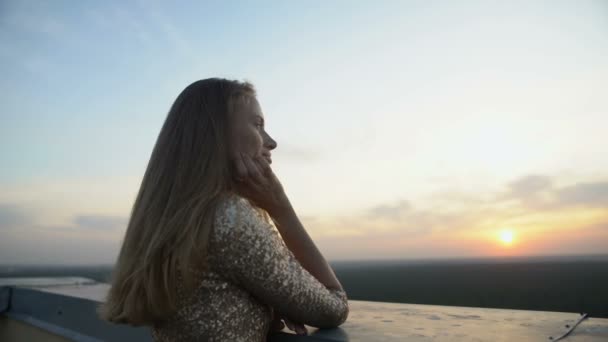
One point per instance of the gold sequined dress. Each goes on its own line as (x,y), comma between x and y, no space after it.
(252,273)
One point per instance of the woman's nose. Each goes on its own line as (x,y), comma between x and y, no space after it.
(270,143)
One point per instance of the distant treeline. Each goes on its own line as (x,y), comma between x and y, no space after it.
(567,286)
(97,273)
(578,286)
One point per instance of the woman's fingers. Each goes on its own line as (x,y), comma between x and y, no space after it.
(289,324)
(261,185)
(277,325)
(255,173)
(264,166)
(297,327)
(301,329)
(241,169)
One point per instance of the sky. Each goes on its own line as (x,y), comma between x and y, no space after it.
(405,129)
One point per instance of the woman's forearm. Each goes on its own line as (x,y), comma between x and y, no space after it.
(301,245)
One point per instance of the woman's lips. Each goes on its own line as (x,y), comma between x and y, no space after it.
(267,157)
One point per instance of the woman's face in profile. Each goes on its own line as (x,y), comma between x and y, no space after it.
(248,134)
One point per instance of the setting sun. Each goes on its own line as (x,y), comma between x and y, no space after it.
(506,237)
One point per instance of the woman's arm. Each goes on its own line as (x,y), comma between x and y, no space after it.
(252,254)
(260,185)
(301,245)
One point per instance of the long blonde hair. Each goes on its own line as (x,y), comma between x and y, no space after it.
(188,173)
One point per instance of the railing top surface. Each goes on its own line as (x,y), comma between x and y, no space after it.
(381,321)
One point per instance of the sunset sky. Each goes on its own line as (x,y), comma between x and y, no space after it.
(405,129)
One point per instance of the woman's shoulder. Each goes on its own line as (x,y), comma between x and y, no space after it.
(231,204)
(233,209)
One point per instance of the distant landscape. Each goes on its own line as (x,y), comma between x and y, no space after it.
(567,284)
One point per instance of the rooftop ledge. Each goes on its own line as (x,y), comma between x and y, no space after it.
(63,309)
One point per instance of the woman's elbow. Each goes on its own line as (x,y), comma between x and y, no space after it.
(334,319)
(342,316)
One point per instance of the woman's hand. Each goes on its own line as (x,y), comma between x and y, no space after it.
(257,182)
(299,328)
(277,325)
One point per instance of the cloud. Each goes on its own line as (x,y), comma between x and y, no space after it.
(531,191)
(538,192)
(584,194)
(387,222)
(84,239)
(423,222)
(35,20)
(12,216)
(390,211)
(100,222)
(119,17)
(529,185)
(15,216)
(550,219)
(450,223)
(530,202)
(174,35)
(297,153)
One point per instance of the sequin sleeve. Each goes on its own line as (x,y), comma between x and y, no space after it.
(256,258)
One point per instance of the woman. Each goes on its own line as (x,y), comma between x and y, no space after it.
(214,251)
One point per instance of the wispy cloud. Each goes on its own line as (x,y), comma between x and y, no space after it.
(100,222)
(34,20)
(12,216)
(584,194)
(390,211)
(529,185)
(119,17)
(31,21)
(295,153)
(174,35)
(19,218)
(538,192)
(521,206)
(575,217)
(85,239)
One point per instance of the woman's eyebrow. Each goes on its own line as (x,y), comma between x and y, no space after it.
(258,116)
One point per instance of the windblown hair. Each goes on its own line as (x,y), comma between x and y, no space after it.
(188,173)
